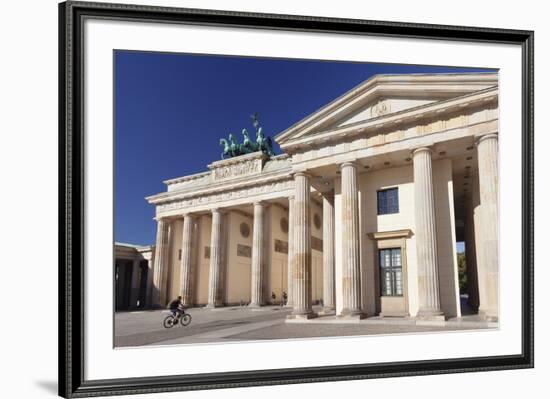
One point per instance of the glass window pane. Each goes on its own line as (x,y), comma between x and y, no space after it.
(387,283)
(396,258)
(385,258)
(398,282)
(382,202)
(388,201)
(393,206)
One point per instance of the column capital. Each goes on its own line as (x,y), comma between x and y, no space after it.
(421,149)
(165,221)
(346,164)
(484,137)
(260,203)
(302,173)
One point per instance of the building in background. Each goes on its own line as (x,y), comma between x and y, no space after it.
(133,276)
(361,212)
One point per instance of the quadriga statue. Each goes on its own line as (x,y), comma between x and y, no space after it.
(233,149)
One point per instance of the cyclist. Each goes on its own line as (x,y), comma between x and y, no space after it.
(176,306)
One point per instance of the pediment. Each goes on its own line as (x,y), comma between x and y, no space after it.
(381,107)
(385,95)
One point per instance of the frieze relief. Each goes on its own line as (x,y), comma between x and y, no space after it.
(241,169)
(227,195)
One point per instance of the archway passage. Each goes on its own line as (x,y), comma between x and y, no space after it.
(466,198)
(123,281)
(142,279)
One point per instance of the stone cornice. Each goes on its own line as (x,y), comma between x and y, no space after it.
(132,252)
(413,85)
(186,178)
(402,117)
(383,235)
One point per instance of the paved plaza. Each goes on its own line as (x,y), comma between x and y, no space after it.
(241,324)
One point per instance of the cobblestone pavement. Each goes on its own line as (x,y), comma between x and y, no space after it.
(241,324)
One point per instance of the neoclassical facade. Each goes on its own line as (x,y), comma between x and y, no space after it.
(360,214)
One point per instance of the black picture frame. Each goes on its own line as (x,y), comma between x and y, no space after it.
(71,200)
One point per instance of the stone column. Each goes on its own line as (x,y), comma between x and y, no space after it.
(160,273)
(266,263)
(149,287)
(257,271)
(290,283)
(328,252)
(470,242)
(487,153)
(426,236)
(186,265)
(215,287)
(134,286)
(478,239)
(301,261)
(351,266)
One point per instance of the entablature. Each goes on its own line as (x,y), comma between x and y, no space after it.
(414,118)
(428,130)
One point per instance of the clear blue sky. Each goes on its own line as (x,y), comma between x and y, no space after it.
(171,110)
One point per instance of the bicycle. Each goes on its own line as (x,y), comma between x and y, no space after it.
(181,317)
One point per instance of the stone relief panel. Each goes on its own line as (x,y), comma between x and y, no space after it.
(241,169)
(281,246)
(244,250)
(380,108)
(244,165)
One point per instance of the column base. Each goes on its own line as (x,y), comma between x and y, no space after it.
(349,317)
(327,311)
(351,314)
(302,316)
(214,305)
(388,315)
(255,306)
(430,314)
(430,317)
